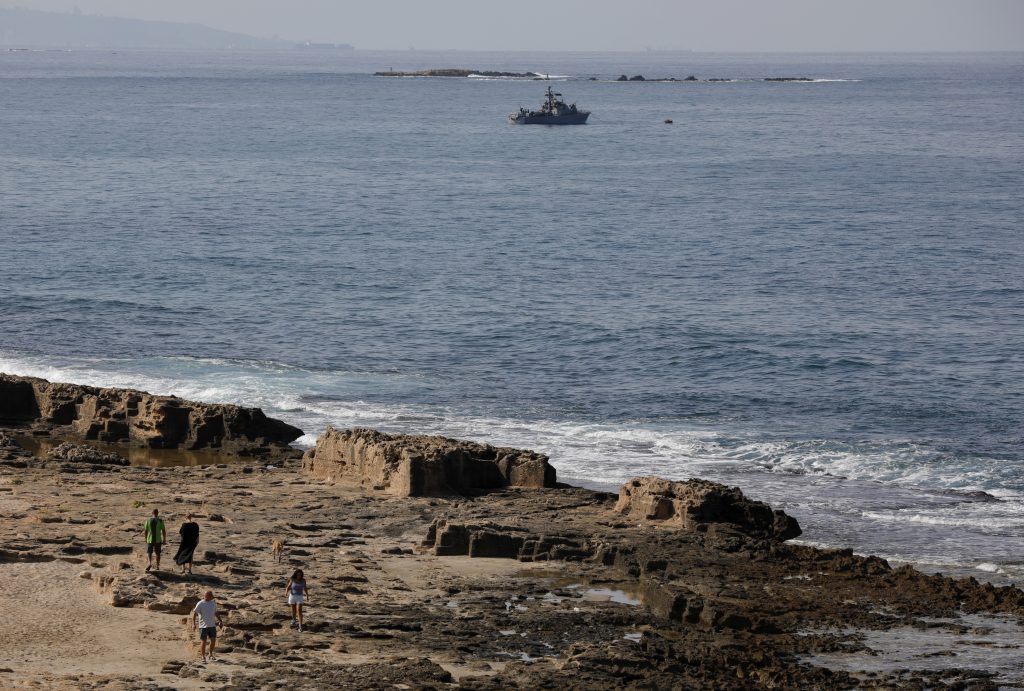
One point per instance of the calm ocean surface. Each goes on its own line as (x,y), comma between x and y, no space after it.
(814,291)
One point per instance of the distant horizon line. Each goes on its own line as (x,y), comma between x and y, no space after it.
(289,45)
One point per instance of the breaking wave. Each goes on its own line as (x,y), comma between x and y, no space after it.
(899,489)
(598,451)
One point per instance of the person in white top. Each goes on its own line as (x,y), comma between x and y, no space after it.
(298,593)
(206,611)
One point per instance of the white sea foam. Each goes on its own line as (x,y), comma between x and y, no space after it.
(532,76)
(802,477)
(816,80)
(893,462)
(985,517)
(306,441)
(990,568)
(600,452)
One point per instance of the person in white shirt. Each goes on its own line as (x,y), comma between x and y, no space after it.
(206,611)
(298,593)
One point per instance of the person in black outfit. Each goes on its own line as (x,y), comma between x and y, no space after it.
(189,532)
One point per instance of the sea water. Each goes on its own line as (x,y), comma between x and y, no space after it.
(812,290)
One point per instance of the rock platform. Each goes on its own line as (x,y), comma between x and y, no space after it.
(663,585)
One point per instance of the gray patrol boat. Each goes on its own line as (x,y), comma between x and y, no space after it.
(553,111)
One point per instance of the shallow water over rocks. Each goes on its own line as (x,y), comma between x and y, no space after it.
(969,641)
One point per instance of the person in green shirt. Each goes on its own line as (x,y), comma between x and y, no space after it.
(156,536)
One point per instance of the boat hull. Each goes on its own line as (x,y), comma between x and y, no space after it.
(579,118)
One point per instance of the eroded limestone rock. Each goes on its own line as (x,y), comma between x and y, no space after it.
(137,417)
(693,504)
(408,465)
(11,453)
(448,538)
(76,453)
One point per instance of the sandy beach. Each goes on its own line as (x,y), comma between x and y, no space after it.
(57,627)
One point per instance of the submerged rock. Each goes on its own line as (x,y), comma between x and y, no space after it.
(417,465)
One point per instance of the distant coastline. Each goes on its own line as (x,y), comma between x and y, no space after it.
(22,28)
(462,72)
(306,45)
(459,72)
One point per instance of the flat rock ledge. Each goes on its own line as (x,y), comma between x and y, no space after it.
(87,413)
(721,514)
(416,465)
(571,593)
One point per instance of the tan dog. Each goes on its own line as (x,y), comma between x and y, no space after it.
(277,549)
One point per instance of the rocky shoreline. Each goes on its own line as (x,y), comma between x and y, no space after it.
(536,76)
(433,563)
(459,72)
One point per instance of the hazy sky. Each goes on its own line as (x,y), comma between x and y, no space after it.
(703,25)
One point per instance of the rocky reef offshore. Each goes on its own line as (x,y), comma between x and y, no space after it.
(432,562)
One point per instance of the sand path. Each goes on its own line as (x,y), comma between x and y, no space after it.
(61,621)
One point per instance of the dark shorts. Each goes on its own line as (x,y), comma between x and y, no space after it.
(154,547)
(209,632)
